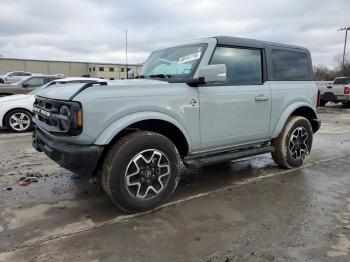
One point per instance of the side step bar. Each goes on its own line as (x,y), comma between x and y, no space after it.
(199,161)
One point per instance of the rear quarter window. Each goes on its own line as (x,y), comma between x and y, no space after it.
(341,81)
(289,65)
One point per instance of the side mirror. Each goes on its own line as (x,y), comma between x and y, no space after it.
(130,75)
(25,85)
(213,73)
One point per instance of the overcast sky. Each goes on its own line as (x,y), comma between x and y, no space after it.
(93,30)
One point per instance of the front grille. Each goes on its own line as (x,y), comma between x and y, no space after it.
(43,106)
(47,115)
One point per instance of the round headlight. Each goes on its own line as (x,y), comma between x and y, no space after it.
(64,111)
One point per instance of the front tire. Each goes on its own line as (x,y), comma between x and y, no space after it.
(140,171)
(294,143)
(18,121)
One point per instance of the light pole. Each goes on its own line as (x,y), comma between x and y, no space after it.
(346,37)
(126,52)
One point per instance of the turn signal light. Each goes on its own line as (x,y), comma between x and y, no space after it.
(79,118)
(346,90)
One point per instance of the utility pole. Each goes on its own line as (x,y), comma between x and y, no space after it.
(346,29)
(126,52)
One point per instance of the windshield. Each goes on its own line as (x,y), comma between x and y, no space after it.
(179,62)
(38,89)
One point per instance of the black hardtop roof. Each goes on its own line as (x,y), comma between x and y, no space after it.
(237,41)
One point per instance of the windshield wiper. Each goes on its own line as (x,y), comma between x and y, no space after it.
(160,76)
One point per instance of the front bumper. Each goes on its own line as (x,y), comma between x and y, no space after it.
(79,159)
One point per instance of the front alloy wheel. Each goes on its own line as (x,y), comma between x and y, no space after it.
(140,171)
(147,174)
(18,121)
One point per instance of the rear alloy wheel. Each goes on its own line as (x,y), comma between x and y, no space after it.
(294,143)
(18,121)
(140,171)
(298,143)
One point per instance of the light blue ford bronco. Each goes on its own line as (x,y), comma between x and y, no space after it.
(201,102)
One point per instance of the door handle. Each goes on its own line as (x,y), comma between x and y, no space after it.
(261,98)
(193,102)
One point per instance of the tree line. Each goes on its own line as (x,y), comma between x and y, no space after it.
(323,73)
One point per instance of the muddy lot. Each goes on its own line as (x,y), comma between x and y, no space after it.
(246,210)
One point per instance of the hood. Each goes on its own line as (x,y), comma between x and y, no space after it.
(68,91)
(14,97)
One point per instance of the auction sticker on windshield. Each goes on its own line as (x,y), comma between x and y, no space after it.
(190,57)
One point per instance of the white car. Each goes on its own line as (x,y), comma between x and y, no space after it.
(16,110)
(13,77)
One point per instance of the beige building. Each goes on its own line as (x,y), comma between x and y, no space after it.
(100,70)
(111,71)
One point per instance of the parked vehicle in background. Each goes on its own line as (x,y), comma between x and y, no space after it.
(339,91)
(27,85)
(16,110)
(203,102)
(13,77)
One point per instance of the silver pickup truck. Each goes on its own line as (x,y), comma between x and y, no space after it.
(202,102)
(339,91)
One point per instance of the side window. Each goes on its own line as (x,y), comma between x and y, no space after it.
(50,79)
(244,66)
(288,65)
(24,74)
(34,82)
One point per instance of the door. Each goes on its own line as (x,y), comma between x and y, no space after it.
(237,112)
(13,77)
(31,83)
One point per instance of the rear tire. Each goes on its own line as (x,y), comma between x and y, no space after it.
(140,171)
(323,103)
(294,143)
(346,103)
(18,121)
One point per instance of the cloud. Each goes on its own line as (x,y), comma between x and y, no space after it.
(94,30)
